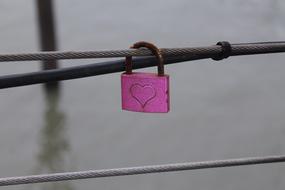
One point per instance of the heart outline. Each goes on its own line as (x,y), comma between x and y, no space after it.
(143,104)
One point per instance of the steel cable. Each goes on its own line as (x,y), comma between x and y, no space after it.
(238,49)
(105,54)
(138,170)
(174,55)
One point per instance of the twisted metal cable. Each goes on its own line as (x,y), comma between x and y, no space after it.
(56,55)
(174,55)
(210,51)
(139,170)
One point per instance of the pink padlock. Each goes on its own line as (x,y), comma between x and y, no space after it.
(145,92)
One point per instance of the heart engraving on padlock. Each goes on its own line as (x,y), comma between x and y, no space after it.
(143,94)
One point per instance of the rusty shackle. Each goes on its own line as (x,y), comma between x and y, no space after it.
(154,50)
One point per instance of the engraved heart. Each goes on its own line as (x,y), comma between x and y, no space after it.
(142,93)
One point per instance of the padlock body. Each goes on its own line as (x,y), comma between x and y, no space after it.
(145,92)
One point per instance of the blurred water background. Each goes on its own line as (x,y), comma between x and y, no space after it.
(219,110)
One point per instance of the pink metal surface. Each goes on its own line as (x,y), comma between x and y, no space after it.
(145,92)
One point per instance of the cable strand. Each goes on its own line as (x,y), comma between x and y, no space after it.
(171,55)
(238,49)
(139,170)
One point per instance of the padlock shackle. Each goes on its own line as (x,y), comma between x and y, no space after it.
(154,50)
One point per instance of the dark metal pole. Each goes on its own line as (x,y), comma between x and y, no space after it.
(47,34)
(89,70)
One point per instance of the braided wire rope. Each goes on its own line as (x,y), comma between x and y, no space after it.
(171,55)
(238,49)
(102,54)
(139,170)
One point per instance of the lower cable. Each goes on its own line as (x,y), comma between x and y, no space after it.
(139,170)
